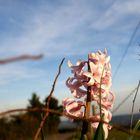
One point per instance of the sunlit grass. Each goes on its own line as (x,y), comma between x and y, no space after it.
(120,135)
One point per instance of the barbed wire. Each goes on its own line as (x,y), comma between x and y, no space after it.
(133,105)
(126,50)
(48,102)
(124,100)
(20,58)
(91,119)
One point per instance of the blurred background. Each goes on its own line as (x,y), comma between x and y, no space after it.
(70,29)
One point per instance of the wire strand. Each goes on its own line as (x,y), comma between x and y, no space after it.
(126,50)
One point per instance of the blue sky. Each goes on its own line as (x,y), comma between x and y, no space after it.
(70,29)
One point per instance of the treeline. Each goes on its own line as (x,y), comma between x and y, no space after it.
(23,126)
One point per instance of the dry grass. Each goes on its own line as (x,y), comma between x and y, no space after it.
(60,136)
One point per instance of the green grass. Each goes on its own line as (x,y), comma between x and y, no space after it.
(114,134)
(119,135)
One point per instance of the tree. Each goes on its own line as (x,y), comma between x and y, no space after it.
(22,126)
(53,120)
(34,101)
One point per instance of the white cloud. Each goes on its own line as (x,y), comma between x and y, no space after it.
(13,72)
(117,13)
(43,27)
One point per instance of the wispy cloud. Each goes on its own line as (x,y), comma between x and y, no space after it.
(43,27)
(118,14)
(63,28)
(14,73)
(66,27)
(70,28)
